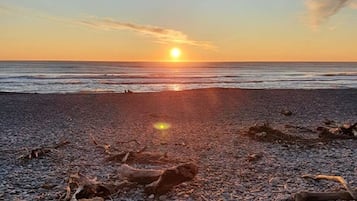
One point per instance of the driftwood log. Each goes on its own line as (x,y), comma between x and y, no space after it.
(345,131)
(350,194)
(80,188)
(159,181)
(139,156)
(318,196)
(41,151)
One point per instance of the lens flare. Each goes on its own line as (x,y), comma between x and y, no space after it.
(162,126)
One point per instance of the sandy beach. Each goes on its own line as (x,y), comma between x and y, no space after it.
(206,126)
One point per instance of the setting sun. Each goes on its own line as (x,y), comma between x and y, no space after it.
(175,53)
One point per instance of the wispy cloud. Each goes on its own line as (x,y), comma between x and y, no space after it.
(353,4)
(160,34)
(319,11)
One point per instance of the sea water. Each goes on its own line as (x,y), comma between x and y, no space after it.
(80,77)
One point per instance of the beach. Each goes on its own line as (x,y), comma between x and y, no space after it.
(206,126)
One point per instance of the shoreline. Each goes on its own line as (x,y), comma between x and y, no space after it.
(173,91)
(207,126)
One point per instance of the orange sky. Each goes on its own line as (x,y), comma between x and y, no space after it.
(257,30)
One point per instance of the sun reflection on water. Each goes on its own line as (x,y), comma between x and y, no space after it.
(176,87)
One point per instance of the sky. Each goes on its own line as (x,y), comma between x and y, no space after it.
(204,30)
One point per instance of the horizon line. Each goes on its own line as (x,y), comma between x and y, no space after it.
(183,61)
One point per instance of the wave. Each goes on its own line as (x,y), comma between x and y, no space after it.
(340,74)
(106,76)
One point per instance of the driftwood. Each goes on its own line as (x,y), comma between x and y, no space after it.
(82,188)
(156,182)
(266,133)
(140,156)
(318,196)
(304,129)
(345,131)
(141,176)
(41,151)
(286,112)
(160,181)
(350,194)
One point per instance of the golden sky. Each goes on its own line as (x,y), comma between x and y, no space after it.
(210,30)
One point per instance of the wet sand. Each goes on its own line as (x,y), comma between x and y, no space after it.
(207,126)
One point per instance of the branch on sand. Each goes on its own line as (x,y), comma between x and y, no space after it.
(266,133)
(349,194)
(140,156)
(345,131)
(160,181)
(80,188)
(41,151)
(157,182)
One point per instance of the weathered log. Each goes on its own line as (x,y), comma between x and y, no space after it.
(345,131)
(107,147)
(140,157)
(160,181)
(172,177)
(86,188)
(141,176)
(350,194)
(318,196)
(41,151)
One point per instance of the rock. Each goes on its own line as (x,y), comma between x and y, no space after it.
(261,134)
(163,197)
(274,181)
(152,196)
(286,112)
(93,199)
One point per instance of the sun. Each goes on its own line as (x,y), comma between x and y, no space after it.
(175,53)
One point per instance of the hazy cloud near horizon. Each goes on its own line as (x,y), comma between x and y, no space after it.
(160,34)
(320,11)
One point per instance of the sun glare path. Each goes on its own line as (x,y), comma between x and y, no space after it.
(175,53)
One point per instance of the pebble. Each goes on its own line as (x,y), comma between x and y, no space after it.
(224,170)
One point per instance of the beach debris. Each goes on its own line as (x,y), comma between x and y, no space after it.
(300,128)
(41,151)
(286,112)
(80,187)
(329,122)
(266,133)
(254,157)
(349,194)
(156,182)
(140,156)
(345,131)
(106,147)
(159,182)
(129,141)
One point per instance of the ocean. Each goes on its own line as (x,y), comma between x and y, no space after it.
(116,77)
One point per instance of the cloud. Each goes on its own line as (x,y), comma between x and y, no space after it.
(353,4)
(320,11)
(160,34)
